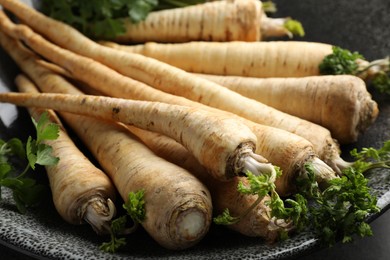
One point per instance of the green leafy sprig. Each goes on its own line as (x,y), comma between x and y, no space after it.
(371,158)
(342,61)
(341,209)
(294,27)
(26,191)
(135,212)
(262,185)
(269,7)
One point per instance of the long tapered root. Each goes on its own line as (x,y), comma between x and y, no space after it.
(99,213)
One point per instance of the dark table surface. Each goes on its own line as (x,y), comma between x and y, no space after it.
(358,25)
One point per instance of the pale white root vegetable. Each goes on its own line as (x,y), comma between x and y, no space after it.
(256,223)
(339,103)
(288,151)
(178,206)
(164,77)
(228,20)
(237,58)
(186,217)
(222,144)
(81,192)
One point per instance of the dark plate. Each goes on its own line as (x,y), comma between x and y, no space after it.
(356,25)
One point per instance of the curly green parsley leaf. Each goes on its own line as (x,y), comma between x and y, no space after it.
(342,61)
(341,209)
(135,206)
(370,158)
(117,225)
(135,210)
(382,82)
(226,218)
(261,185)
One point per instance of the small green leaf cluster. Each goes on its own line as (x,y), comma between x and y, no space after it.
(26,191)
(135,209)
(117,225)
(290,210)
(37,151)
(103,19)
(135,206)
(259,185)
(340,62)
(225,218)
(340,210)
(382,82)
(294,27)
(370,158)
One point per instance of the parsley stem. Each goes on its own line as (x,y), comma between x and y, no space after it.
(24,171)
(129,230)
(380,164)
(373,67)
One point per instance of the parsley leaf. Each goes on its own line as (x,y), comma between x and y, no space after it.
(26,191)
(117,225)
(290,210)
(38,152)
(341,61)
(135,208)
(341,209)
(370,158)
(382,82)
(226,218)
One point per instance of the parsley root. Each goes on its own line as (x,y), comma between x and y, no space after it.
(170,79)
(319,99)
(222,144)
(81,192)
(267,59)
(95,75)
(132,167)
(256,221)
(178,206)
(238,58)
